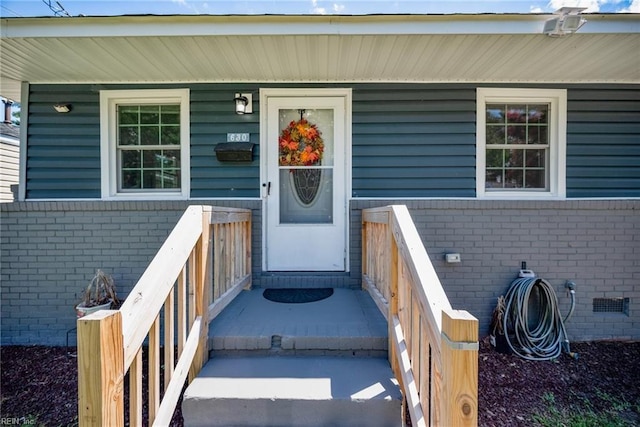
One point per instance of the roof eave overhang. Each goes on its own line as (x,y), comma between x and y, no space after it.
(237,25)
(488,48)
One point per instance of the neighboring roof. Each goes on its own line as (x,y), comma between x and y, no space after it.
(493,48)
(9,131)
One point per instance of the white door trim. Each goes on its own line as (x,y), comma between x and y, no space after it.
(265,94)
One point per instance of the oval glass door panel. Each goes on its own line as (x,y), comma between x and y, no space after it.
(305,163)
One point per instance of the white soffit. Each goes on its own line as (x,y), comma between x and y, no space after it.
(374,48)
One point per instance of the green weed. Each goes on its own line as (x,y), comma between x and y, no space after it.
(583,413)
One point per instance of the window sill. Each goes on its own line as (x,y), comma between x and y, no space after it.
(519,196)
(147,196)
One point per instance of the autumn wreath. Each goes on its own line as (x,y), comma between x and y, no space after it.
(300,144)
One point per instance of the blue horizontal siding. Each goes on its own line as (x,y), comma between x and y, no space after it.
(603,141)
(63,151)
(63,156)
(414,141)
(212,117)
(411,140)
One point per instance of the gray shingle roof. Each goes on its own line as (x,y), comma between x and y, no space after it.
(9,130)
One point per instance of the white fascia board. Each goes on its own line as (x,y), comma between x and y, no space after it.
(194,26)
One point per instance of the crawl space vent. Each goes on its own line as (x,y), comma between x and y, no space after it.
(611,305)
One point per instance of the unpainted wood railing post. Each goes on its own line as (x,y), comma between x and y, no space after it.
(202,289)
(392,280)
(459,350)
(100,370)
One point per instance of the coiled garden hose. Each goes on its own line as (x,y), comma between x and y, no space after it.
(542,341)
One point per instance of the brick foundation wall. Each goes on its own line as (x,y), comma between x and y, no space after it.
(50,251)
(594,243)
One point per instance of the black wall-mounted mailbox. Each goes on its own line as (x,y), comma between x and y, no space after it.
(234,151)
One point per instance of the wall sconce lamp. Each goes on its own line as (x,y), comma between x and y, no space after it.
(243,103)
(568,22)
(62,108)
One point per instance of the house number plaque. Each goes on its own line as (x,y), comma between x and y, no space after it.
(238,137)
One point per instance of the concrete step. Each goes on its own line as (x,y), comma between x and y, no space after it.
(319,363)
(348,324)
(293,391)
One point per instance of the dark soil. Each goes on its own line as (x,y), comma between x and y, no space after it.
(605,375)
(40,386)
(40,383)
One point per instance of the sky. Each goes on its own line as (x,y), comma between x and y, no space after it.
(23,8)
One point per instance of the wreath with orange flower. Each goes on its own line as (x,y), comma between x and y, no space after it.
(300,144)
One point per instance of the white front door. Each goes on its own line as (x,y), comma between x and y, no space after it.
(304,179)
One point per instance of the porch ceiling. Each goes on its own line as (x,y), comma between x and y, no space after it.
(398,48)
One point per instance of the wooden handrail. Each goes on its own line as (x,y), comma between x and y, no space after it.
(144,302)
(180,277)
(433,349)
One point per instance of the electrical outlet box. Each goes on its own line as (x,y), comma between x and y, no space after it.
(452,258)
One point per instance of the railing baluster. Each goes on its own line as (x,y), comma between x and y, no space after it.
(232,256)
(192,289)
(135,391)
(217,261)
(238,240)
(247,250)
(154,369)
(228,256)
(182,310)
(414,343)
(169,338)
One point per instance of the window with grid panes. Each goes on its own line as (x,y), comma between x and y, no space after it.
(517,146)
(145,143)
(521,143)
(148,147)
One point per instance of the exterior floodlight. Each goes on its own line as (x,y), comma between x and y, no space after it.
(568,22)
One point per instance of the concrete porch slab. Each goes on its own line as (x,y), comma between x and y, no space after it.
(347,321)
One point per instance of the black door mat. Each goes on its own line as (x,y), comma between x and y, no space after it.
(297,296)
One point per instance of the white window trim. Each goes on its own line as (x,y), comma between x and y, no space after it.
(557,98)
(108,164)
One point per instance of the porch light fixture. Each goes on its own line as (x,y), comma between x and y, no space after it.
(62,108)
(243,103)
(568,21)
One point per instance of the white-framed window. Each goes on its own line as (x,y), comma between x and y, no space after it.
(521,143)
(144,144)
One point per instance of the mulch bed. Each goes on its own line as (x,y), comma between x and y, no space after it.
(512,389)
(40,383)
